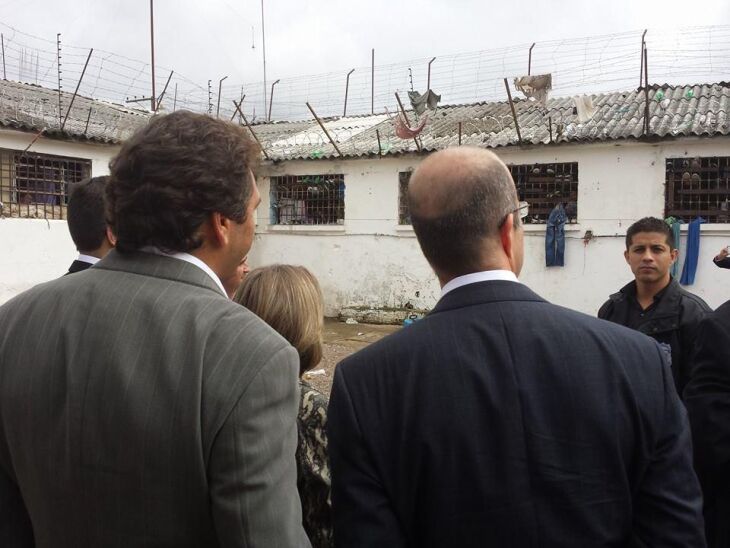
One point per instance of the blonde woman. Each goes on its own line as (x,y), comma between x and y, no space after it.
(289,299)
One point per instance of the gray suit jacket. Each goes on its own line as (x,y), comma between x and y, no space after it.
(140,407)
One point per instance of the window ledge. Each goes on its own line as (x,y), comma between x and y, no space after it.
(304,229)
(404,228)
(720,229)
(530,228)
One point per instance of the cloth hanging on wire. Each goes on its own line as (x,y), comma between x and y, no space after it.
(535,87)
(404,131)
(693,251)
(421,102)
(675,225)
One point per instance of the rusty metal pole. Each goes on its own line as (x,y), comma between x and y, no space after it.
(405,117)
(514,112)
(174,99)
(73,97)
(159,99)
(152,51)
(263,43)
(2,38)
(372,83)
(428,82)
(641,56)
(238,109)
(88,119)
(347,88)
(529,59)
(271,100)
(327,133)
(218,104)
(234,112)
(58,69)
(459,133)
(646,93)
(380,150)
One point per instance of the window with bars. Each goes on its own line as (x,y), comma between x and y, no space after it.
(698,187)
(404,215)
(308,200)
(542,186)
(35,185)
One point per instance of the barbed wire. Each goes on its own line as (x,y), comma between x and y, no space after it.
(595,64)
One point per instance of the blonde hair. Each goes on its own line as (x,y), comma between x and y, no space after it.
(289,299)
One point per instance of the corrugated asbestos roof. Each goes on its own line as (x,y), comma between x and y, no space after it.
(32,108)
(696,110)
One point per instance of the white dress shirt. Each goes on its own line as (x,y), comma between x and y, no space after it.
(188,258)
(474,277)
(87,259)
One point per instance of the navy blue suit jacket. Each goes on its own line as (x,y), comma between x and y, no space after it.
(502,420)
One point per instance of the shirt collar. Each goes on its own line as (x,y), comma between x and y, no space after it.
(188,258)
(87,258)
(474,277)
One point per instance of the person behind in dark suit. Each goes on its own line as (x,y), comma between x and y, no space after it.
(722,259)
(500,419)
(707,397)
(289,299)
(86,218)
(654,303)
(155,411)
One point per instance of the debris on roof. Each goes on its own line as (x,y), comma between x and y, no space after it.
(34,108)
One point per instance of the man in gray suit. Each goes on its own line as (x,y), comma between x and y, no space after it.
(138,405)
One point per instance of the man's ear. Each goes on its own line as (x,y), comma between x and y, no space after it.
(626,256)
(219,228)
(675,255)
(111,237)
(507,235)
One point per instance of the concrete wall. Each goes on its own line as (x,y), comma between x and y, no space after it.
(36,250)
(372,263)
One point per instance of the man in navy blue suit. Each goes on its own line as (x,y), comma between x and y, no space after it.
(501,419)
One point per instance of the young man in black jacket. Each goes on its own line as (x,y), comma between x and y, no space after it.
(654,303)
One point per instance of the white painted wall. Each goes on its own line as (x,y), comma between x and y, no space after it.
(372,262)
(36,250)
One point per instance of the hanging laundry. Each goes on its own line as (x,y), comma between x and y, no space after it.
(693,251)
(420,102)
(675,225)
(555,237)
(403,131)
(585,108)
(535,87)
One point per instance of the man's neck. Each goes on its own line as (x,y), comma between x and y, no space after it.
(646,291)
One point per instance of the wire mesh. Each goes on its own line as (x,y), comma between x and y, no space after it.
(698,187)
(308,200)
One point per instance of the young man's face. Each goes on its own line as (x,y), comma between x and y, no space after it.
(650,257)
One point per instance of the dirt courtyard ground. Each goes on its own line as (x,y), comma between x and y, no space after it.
(341,340)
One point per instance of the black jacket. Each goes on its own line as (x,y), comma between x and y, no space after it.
(707,398)
(503,420)
(674,322)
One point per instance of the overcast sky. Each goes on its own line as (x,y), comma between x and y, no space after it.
(206,40)
(210,39)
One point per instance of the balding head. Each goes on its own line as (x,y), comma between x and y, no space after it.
(459,199)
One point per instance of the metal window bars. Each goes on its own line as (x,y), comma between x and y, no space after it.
(542,186)
(34,185)
(308,200)
(404,214)
(698,187)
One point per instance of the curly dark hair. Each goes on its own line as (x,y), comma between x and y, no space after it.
(172,174)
